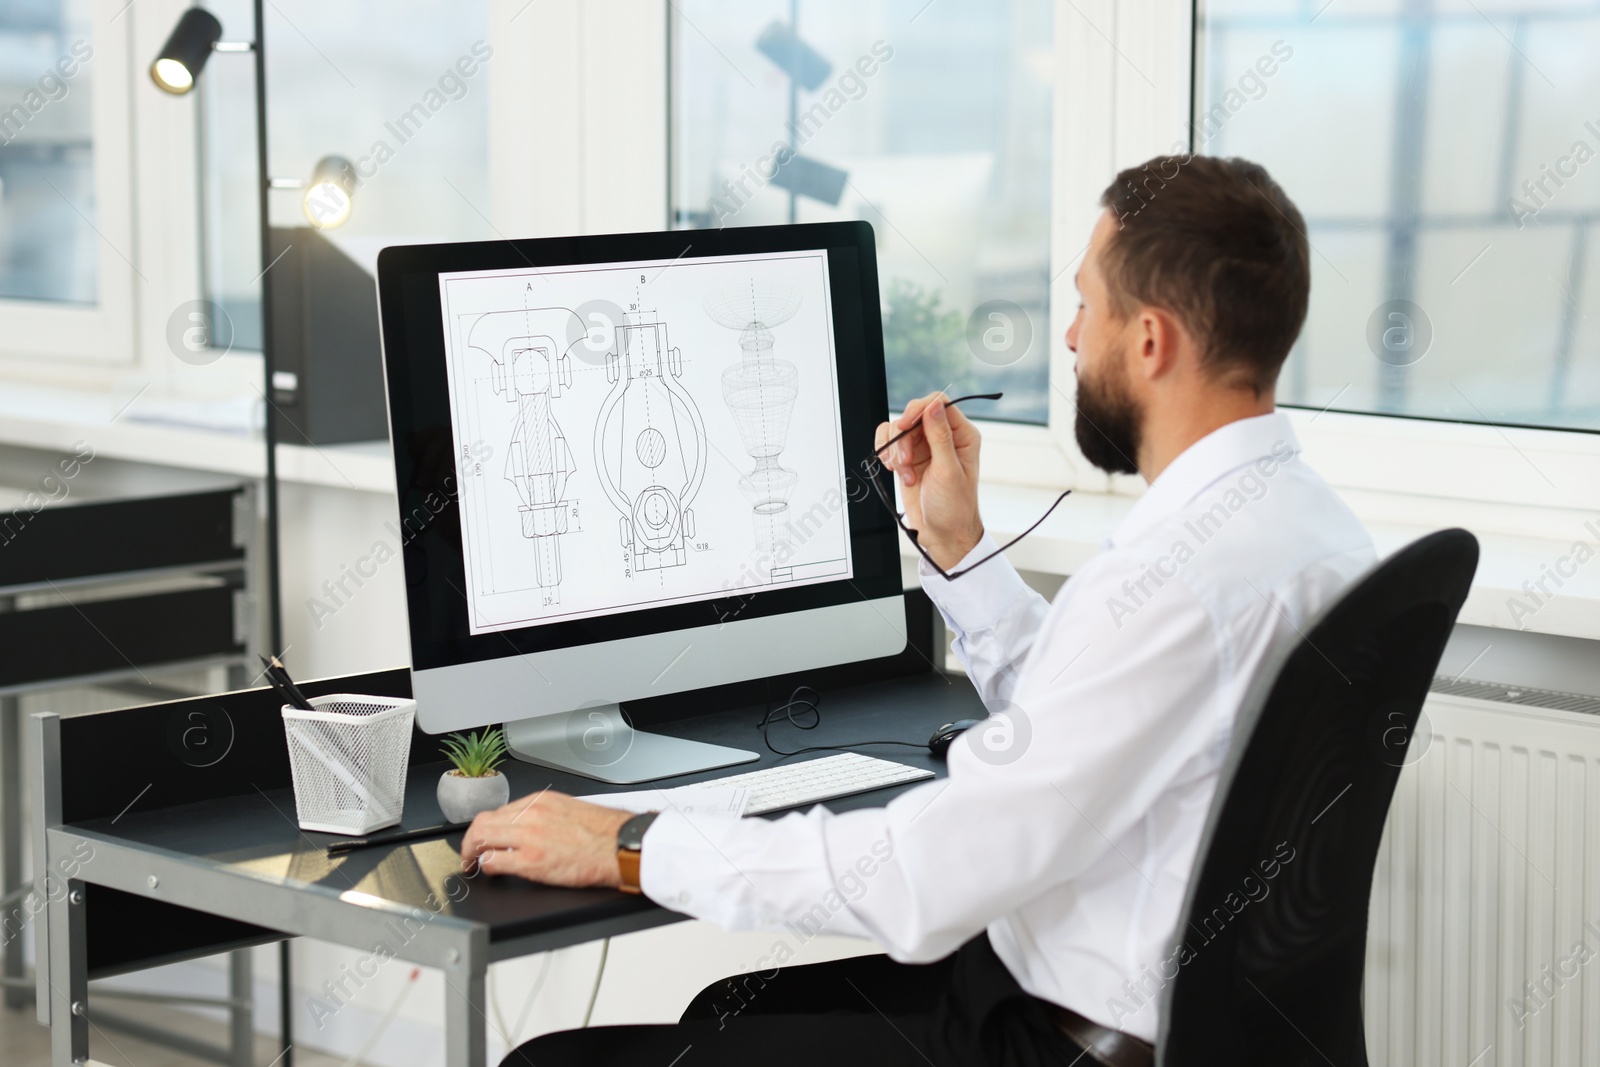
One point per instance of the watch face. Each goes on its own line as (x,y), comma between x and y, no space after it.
(631,836)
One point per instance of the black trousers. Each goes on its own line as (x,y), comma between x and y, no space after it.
(966,1009)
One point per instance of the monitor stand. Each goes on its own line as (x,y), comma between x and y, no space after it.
(598,743)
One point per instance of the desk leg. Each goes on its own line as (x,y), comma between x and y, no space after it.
(465,1024)
(241,1015)
(69,978)
(11,830)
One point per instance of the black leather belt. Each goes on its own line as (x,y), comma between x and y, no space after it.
(1112,1048)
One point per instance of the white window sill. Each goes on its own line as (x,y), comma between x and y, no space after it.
(56,418)
(1079,527)
(1521,543)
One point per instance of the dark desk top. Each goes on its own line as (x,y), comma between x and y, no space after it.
(257,833)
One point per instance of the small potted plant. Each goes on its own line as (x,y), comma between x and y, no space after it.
(473,784)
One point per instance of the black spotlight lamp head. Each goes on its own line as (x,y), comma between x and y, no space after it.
(186,51)
(329,194)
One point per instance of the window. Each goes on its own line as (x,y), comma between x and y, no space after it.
(1445,160)
(49,250)
(375,82)
(930,121)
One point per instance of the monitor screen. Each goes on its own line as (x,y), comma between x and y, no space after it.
(644,433)
(610,437)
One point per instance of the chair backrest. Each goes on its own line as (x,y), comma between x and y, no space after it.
(1268,958)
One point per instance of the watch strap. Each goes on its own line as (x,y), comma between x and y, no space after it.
(630,846)
(628,867)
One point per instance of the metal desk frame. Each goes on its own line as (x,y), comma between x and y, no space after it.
(461,948)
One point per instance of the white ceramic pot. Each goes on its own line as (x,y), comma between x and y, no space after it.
(460,798)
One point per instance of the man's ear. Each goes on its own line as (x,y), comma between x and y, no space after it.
(1159,338)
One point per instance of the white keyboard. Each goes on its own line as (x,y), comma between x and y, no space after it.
(796,785)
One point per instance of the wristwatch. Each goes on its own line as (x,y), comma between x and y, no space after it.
(630,843)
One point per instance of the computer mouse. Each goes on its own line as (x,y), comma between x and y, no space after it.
(939,743)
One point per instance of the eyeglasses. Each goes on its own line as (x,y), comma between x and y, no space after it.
(883,482)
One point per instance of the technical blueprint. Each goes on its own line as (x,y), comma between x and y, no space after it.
(633,435)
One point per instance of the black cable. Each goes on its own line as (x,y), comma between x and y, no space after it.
(801,706)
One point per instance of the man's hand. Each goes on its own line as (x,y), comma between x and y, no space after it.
(937,464)
(547,837)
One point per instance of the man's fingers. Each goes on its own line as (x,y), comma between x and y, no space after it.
(937,432)
(491,829)
(908,418)
(500,861)
(913,451)
(908,455)
(498,843)
(961,426)
(470,840)
(910,451)
(491,854)
(879,439)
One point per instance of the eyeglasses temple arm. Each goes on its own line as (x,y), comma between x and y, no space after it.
(952,575)
(947,403)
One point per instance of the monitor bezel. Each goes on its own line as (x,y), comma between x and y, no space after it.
(425,470)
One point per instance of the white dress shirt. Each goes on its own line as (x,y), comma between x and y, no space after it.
(1070,818)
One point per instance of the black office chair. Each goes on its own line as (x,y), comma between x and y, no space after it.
(1270,953)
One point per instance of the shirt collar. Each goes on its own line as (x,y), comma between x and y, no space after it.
(1201,465)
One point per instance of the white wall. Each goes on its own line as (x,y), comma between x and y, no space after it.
(334,620)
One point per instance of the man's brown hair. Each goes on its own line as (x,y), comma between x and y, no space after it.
(1219,244)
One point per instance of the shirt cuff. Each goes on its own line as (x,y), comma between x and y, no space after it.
(674,857)
(742,874)
(978,600)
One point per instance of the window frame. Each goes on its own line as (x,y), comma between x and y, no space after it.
(1393,468)
(617,66)
(35,332)
(1089,144)
(1106,116)
(147,163)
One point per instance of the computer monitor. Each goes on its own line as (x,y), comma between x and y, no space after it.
(628,466)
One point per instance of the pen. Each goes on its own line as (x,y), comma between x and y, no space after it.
(284,693)
(339,848)
(278,677)
(288,683)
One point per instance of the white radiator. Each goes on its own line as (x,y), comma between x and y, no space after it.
(1484,942)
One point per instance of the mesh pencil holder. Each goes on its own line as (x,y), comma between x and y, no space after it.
(349,756)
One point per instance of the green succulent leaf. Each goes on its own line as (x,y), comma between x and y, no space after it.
(475,755)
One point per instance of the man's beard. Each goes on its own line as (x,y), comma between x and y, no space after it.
(1108,423)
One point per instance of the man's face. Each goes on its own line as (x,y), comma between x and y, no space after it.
(1109,419)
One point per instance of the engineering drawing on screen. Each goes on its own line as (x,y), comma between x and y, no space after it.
(760,391)
(529,368)
(644,434)
(650,446)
